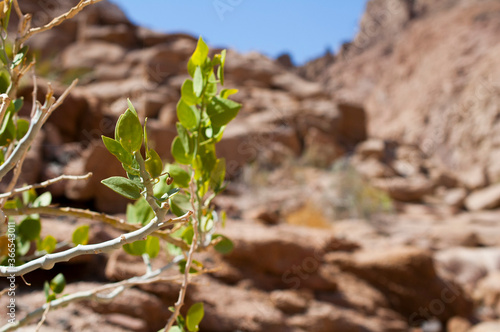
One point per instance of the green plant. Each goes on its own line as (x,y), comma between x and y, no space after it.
(186,188)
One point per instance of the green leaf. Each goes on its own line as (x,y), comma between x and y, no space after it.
(187,235)
(180,154)
(48,244)
(154,166)
(152,246)
(189,116)
(18,58)
(187,93)
(221,111)
(194,316)
(184,136)
(13,204)
(22,128)
(131,107)
(123,186)
(228,92)
(117,150)
(136,248)
(4,77)
(175,329)
(180,204)
(180,176)
(199,56)
(29,196)
(218,174)
(18,104)
(22,246)
(198,82)
(81,235)
(220,70)
(8,129)
(225,246)
(58,283)
(30,228)
(43,200)
(46,290)
(129,131)
(140,212)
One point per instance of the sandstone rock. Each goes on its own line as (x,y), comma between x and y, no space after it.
(487,198)
(138,304)
(374,148)
(352,123)
(291,302)
(127,322)
(474,178)
(251,69)
(407,277)
(487,293)
(120,34)
(297,86)
(321,148)
(372,168)
(455,197)
(406,190)
(458,324)
(90,54)
(486,327)
(102,164)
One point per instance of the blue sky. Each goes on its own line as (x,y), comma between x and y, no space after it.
(305,29)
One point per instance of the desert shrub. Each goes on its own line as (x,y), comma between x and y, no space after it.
(185,188)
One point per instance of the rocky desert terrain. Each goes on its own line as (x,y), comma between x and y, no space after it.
(364,186)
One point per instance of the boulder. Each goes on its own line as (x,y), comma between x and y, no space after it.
(482,199)
(90,54)
(406,190)
(297,86)
(455,197)
(374,148)
(120,34)
(352,126)
(487,293)
(486,327)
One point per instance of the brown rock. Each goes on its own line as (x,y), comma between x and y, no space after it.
(90,54)
(487,293)
(406,190)
(455,197)
(297,86)
(458,324)
(474,178)
(407,277)
(290,301)
(487,198)
(96,159)
(374,148)
(251,69)
(352,125)
(127,322)
(486,327)
(372,168)
(120,34)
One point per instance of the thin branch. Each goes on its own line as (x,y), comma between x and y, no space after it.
(46,183)
(18,10)
(189,261)
(56,21)
(91,215)
(5,104)
(117,288)
(15,177)
(47,262)
(44,317)
(37,121)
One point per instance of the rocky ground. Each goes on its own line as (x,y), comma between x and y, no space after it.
(364,189)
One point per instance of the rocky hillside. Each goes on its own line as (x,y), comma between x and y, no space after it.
(388,147)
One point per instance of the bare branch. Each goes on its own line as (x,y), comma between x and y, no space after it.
(5,104)
(48,261)
(94,294)
(189,261)
(56,21)
(91,215)
(46,184)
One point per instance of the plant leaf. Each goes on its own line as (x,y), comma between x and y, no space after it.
(152,246)
(129,131)
(123,186)
(225,246)
(81,235)
(221,111)
(187,93)
(48,244)
(194,316)
(117,150)
(136,248)
(198,82)
(29,228)
(154,166)
(43,200)
(189,116)
(58,283)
